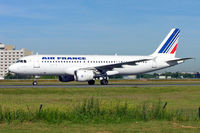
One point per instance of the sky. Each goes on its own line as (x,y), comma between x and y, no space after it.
(125,27)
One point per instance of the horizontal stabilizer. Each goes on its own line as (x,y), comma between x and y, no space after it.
(181,59)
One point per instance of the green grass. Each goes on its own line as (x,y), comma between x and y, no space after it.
(133,127)
(183,99)
(93,111)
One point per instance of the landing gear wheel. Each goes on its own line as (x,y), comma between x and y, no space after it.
(104,82)
(35,83)
(91,82)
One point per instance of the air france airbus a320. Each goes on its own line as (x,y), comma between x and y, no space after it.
(91,67)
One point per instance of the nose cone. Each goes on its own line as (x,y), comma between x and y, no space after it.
(12,68)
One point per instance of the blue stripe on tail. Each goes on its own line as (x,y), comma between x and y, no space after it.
(173,43)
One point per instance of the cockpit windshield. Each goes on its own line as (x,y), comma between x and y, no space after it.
(21,61)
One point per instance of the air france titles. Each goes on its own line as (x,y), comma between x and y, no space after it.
(63,58)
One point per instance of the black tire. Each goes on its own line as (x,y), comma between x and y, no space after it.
(91,82)
(104,82)
(35,83)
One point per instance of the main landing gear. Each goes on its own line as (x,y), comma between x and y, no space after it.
(104,82)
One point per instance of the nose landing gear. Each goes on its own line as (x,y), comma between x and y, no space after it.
(35,82)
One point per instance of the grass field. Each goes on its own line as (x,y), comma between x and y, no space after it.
(185,98)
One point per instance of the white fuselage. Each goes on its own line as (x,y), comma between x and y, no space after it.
(91,67)
(68,64)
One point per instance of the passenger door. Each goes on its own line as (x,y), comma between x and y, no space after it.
(36,64)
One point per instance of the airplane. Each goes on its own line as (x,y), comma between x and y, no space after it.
(88,68)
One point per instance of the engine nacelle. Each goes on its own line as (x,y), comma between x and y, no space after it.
(84,75)
(66,78)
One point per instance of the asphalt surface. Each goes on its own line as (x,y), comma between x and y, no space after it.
(86,86)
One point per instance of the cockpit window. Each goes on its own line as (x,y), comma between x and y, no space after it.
(21,61)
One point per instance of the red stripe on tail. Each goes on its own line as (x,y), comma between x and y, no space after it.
(174,50)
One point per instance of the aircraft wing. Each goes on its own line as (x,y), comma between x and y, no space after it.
(118,65)
(177,60)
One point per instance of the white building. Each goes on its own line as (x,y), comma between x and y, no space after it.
(162,77)
(130,77)
(8,56)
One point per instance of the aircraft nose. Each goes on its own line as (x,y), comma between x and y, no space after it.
(12,68)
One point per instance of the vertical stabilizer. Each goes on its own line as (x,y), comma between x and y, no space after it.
(169,44)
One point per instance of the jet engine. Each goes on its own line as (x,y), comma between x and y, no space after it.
(84,75)
(66,78)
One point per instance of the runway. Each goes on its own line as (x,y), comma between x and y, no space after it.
(95,86)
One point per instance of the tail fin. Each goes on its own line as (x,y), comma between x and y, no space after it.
(169,44)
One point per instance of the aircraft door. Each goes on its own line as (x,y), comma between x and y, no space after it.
(36,64)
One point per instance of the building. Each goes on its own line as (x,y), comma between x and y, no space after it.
(130,77)
(8,56)
(162,77)
(197,75)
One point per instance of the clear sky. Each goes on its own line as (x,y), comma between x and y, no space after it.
(126,27)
